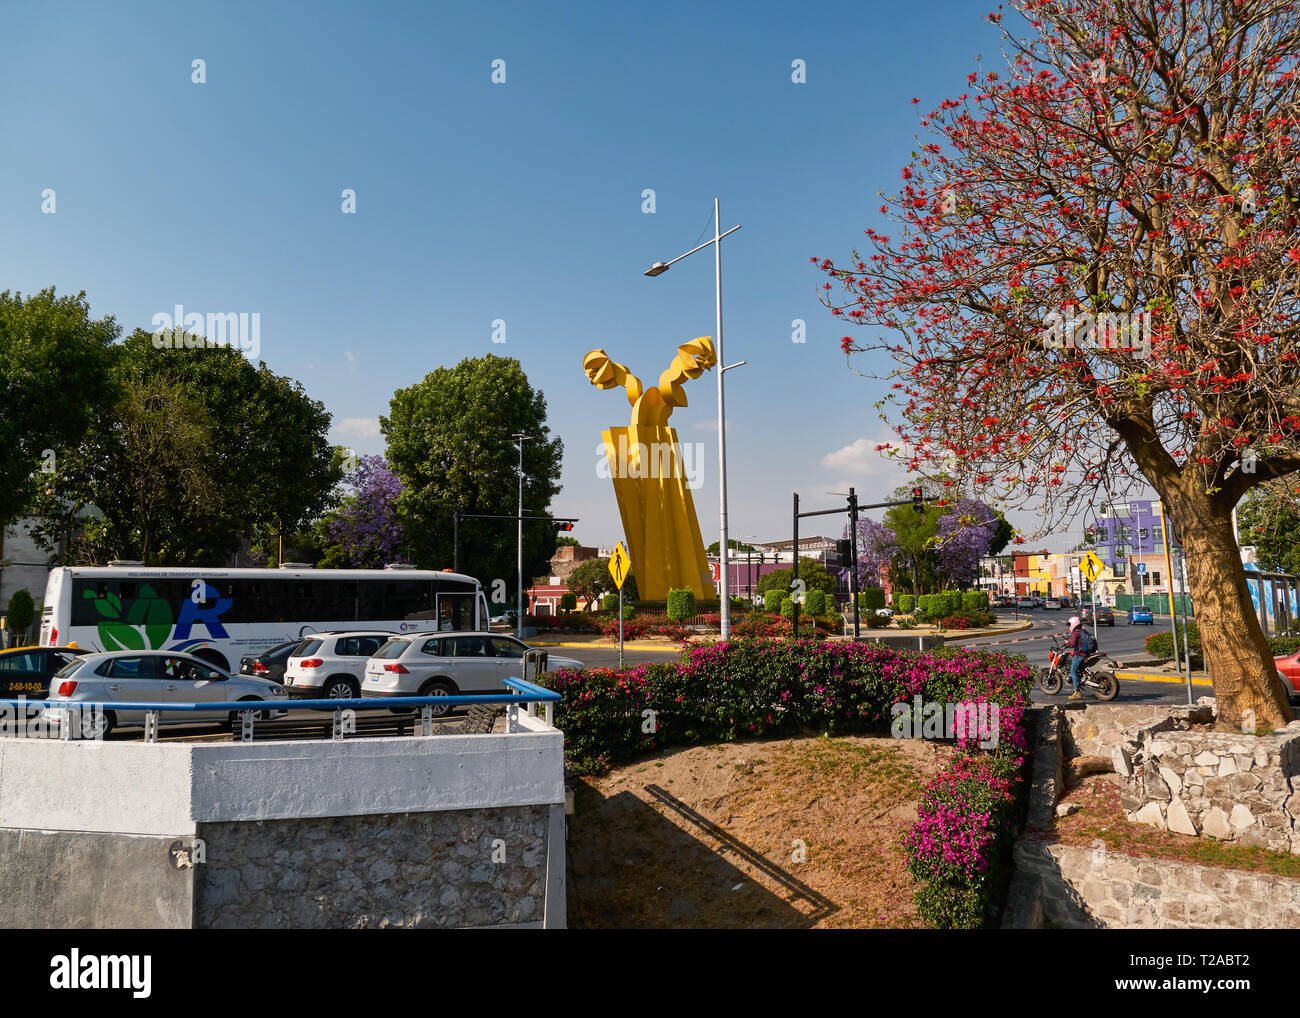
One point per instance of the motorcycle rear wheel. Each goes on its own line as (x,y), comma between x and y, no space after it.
(1107,686)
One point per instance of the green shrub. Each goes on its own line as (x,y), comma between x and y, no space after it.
(974,601)
(629,612)
(872,598)
(1281,646)
(21,613)
(609,602)
(774,599)
(568,602)
(1161,645)
(904,622)
(681,605)
(814,603)
(787,608)
(906,603)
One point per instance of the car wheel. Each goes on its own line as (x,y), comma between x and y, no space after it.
(339,687)
(439,687)
(97,724)
(234,721)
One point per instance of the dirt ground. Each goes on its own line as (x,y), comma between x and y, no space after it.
(781,834)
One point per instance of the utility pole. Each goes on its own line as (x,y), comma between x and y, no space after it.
(519,608)
(853,565)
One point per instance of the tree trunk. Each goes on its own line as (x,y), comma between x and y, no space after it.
(1248,692)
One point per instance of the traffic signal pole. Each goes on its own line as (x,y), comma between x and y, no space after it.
(917,502)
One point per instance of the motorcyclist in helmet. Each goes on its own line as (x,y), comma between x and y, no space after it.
(1077,654)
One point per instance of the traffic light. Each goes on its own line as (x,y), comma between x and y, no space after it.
(565,526)
(844,549)
(918,500)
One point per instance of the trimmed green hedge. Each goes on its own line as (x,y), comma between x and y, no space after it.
(814,603)
(871,598)
(681,605)
(906,603)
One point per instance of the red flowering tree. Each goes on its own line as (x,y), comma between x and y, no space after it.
(1095,281)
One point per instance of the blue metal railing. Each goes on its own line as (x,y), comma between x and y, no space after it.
(528,694)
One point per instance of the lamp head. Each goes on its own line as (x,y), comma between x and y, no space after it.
(658,268)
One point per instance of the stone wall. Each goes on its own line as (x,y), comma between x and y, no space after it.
(459,868)
(1223,785)
(1091,888)
(1076,887)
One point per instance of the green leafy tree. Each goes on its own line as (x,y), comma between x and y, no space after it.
(811,572)
(449,440)
(21,613)
(1271,522)
(732,543)
(564,540)
(591,580)
(199,450)
(53,377)
(1002,535)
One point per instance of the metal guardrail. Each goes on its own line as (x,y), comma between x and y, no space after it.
(529,695)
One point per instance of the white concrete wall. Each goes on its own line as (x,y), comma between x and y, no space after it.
(113,787)
(168,787)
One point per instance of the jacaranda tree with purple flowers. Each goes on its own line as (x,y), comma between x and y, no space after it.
(963,535)
(365,529)
(877,546)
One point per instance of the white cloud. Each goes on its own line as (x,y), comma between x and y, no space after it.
(861,458)
(358,427)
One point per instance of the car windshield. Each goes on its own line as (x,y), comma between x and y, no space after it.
(393,648)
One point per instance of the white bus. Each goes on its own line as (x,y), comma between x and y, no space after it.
(220,615)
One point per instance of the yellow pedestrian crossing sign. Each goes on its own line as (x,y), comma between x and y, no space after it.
(1091,566)
(619,565)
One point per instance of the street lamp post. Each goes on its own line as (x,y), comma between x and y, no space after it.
(520,438)
(658,268)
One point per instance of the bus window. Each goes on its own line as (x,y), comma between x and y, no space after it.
(456,612)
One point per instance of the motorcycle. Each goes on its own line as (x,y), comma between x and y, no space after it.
(1102,682)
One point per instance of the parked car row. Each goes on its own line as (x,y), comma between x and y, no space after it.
(327,666)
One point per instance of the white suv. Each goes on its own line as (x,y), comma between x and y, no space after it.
(330,666)
(449,665)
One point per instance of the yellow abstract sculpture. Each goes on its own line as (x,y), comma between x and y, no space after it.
(650,483)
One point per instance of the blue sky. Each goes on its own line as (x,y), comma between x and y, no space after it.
(478,201)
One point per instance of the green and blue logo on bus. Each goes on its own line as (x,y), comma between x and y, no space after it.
(150,619)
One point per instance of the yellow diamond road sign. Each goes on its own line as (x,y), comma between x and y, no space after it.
(619,564)
(1091,566)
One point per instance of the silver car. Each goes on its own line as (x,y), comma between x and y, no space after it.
(153,677)
(449,665)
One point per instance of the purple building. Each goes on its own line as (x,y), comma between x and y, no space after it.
(1127,530)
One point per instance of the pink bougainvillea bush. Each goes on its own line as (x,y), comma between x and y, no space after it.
(962,837)
(750,688)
